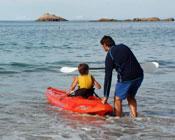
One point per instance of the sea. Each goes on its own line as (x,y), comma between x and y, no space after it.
(31,55)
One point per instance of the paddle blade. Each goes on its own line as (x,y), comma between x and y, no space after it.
(68,69)
(150,67)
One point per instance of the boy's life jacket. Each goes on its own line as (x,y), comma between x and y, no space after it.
(85,81)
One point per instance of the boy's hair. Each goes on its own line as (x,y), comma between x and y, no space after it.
(108,41)
(83,68)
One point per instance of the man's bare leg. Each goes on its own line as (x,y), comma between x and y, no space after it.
(133,106)
(118,106)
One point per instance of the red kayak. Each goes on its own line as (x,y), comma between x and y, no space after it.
(92,105)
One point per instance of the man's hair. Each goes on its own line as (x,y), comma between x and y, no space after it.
(108,41)
(83,68)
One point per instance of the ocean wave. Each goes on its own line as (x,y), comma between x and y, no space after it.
(20,67)
(14,64)
(16,67)
(43,69)
(9,72)
(18,64)
(2,44)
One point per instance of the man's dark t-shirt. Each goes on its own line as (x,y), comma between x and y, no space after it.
(121,58)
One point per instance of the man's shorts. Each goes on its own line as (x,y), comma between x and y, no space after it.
(128,88)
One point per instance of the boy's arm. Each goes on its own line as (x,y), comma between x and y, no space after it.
(73,85)
(96,84)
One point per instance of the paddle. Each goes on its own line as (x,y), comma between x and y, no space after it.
(148,67)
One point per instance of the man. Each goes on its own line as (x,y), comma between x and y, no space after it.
(130,75)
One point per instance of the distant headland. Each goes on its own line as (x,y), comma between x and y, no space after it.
(51,17)
(151,19)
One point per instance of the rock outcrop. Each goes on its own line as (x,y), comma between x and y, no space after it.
(50,17)
(168,19)
(146,19)
(106,20)
(154,19)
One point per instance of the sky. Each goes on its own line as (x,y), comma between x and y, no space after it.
(86,9)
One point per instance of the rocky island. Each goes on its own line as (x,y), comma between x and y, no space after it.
(51,17)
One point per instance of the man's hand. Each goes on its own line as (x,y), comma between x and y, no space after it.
(104,100)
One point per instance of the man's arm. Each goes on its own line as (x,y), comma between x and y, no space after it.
(109,65)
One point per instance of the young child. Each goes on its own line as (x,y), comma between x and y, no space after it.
(85,83)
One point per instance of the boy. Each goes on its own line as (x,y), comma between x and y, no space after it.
(85,82)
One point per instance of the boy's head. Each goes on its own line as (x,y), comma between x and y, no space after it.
(83,68)
(107,42)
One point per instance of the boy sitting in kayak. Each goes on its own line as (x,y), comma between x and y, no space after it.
(85,83)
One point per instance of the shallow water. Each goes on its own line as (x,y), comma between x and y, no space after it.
(31,54)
